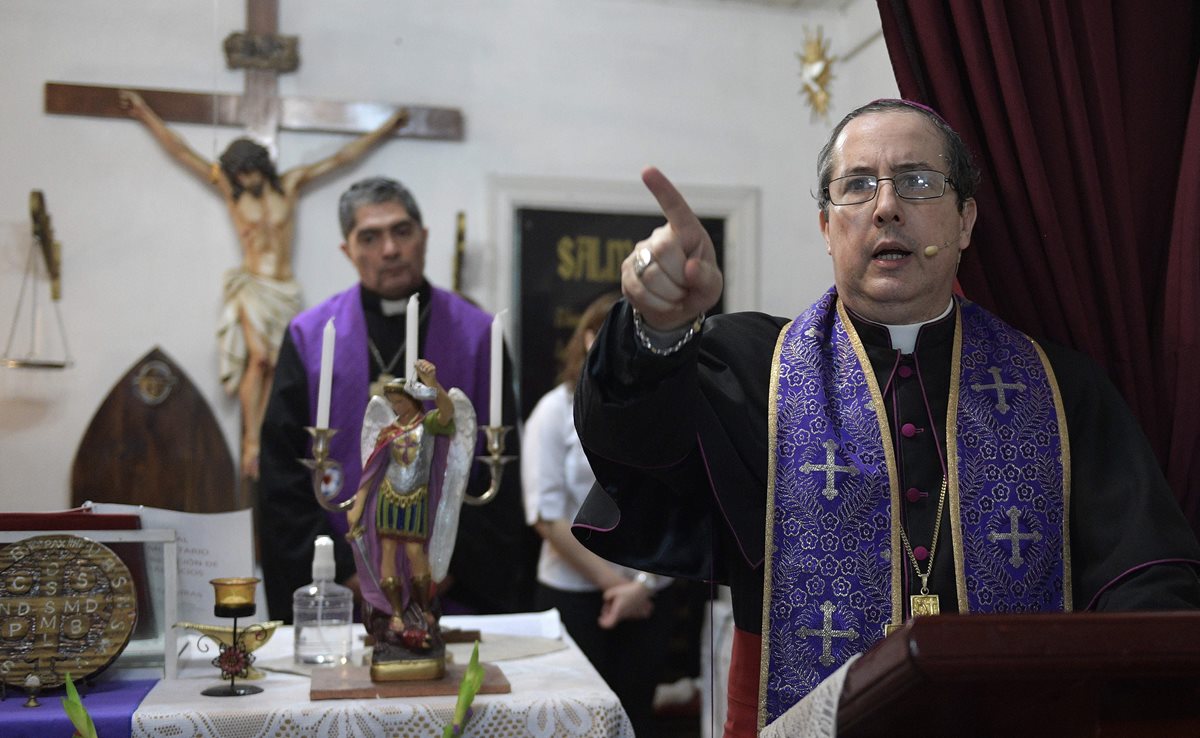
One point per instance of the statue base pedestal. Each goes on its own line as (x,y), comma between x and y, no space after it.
(354,682)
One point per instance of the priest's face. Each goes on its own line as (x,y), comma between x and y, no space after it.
(880,264)
(387,248)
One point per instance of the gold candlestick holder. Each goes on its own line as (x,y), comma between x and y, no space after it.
(233,598)
(326,472)
(494,461)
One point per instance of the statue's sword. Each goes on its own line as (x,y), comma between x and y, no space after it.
(356,537)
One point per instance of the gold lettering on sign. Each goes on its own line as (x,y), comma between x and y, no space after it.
(566,318)
(585,258)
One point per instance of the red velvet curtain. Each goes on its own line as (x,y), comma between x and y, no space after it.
(1085,116)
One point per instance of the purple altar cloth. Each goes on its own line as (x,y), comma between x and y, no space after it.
(111,704)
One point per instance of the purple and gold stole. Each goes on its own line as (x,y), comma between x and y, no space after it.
(834,560)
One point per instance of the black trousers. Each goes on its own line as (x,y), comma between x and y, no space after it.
(629,657)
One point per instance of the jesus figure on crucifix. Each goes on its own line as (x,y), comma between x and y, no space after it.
(261,296)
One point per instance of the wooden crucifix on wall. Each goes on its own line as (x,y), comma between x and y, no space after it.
(260,296)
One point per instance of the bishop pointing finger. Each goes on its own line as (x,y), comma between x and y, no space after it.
(672,277)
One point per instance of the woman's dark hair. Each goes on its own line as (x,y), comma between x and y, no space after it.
(576,349)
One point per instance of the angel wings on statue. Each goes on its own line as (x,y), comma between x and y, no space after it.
(404,519)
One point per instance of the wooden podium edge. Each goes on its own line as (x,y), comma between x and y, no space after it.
(1039,647)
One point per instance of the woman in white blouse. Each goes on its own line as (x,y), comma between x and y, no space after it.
(615,614)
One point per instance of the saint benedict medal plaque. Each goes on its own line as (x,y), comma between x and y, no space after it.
(67,605)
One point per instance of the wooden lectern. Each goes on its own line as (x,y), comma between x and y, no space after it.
(1019,676)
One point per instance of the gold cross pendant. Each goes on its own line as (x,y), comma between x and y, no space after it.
(924,604)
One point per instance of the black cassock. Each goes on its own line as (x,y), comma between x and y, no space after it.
(680,446)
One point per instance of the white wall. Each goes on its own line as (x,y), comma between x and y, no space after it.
(582,89)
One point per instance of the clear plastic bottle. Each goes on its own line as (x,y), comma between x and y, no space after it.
(323,612)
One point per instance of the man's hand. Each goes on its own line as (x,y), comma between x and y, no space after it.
(132,103)
(397,120)
(626,601)
(679,277)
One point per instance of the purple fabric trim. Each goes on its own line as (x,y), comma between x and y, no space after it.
(712,486)
(911,104)
(937,440)
(712,490)
(597,528)
(111,703)
(1096,597)
(631,465)
(583,526)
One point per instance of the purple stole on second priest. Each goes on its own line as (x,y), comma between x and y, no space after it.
(457,342)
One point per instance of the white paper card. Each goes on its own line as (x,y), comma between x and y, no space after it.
(210,545)
(546,624)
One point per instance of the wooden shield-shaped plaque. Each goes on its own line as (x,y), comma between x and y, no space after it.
(154,441)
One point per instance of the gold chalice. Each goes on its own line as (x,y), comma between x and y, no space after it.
(252,637)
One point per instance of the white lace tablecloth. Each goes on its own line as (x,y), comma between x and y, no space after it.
(557,693)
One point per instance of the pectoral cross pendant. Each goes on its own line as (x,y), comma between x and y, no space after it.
(379,383)
(924,603)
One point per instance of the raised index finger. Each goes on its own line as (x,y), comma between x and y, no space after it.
(679,213)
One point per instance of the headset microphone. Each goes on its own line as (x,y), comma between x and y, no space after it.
(932,249)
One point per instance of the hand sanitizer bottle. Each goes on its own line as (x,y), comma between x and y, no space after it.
(323,612)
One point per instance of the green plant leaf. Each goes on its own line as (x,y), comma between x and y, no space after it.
(77,713)
(467,689)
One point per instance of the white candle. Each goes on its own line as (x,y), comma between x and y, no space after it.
(497,375)
(412,332)
(326,383)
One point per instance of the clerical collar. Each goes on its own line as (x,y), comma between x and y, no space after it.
(903,338)
(376,303)
(393,307)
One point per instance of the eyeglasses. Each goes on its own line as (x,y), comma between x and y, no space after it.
(919,184)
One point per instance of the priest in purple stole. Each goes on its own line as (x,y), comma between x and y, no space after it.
(891,452)
(385,239)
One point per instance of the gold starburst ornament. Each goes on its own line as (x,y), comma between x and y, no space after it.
(816,72)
